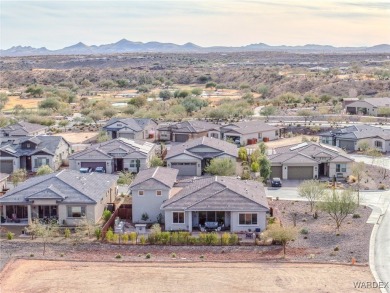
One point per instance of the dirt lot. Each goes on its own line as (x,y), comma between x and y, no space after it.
(287,141)
(64,276)
(77,137)
(26,103)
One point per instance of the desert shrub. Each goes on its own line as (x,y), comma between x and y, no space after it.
(31,255)
(355,216)
(304,231)
(174,238)
(98,233)
(271,220)
(142,240)
(192,240)
(201,257)
(173,255)
(62,255)
(110,235)
(182,237)
(125,238)
(133,237)
(10,235)
(67,233)
(115,238)
(149,255)
(118,256)
(209,238)
(233,239)
(164,237)
(382,187)
(336,248)
(106,215)
(225,238)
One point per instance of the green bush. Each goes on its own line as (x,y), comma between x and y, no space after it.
(67,233)
(304,231)
(192,240)
(98,233)
(271,220)
(225,238)
(106,215)
(142,239)
(165,237)
(133,237)
(336,248)
(125,238)
(110,235)
(173,255)
(10,235)
(115,238)
(209,238)
(233,239)
(148,256)
(356,216)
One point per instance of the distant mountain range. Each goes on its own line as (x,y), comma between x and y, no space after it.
(126,46)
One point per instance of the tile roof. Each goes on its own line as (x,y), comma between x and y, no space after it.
(376,102)
(44,143)
(187,147)
(149,177)
(221,194)
(68,186)
(136,124)
(22,128)
(358,131)
(247,127)
(307,152)
(128,147)
(191,126)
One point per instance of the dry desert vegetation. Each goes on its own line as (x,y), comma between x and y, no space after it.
(64,276)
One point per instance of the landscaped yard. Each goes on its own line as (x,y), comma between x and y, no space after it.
(64,276)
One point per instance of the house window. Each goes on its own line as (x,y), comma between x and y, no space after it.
(378,144)
(40,162)
(28,145)
(178,217)
(341,168)
(76,211)
(248,219)
(132,164)
(158,192)
(140,192)
(260,135)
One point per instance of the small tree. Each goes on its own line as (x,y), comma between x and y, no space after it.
(156,162)
(265,167)
(242,153)
(18,176)
(103,136)
(262,147)
(221,167)
(125,178)
(268,111)
(338,205)
(255,167)
(358,170)
(44,169)
(85,227)
(312,190)
(63,123)
(305,114)
(363,145)
(281,234)
(44,231)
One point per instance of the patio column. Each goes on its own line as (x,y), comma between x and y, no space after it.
(29,214)
(190,221)
(3,212)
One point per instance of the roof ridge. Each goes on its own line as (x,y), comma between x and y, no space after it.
(155,171)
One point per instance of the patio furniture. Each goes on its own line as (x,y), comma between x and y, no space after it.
(140,228)
(202,229)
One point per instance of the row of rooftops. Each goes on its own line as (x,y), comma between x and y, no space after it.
(358,131)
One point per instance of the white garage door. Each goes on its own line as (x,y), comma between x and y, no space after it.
(185,169)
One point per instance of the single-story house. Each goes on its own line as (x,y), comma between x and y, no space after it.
(250,132)
(23,129)
(368,106)
(236,204)
(31,152)
(66,196)
(115,155)
(149,189)
(349,138)
(309,160)
(131,128)
(186,130)
(191,157)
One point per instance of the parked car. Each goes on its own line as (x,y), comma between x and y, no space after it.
(276,182)
(100,170)
(85,170)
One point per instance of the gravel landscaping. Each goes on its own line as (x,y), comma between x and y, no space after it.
(375,178)
(321,238)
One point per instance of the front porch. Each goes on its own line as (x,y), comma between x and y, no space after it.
(24,214)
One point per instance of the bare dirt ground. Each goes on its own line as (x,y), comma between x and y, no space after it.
(288,141)
(68,276)
(77,137)
(26,103)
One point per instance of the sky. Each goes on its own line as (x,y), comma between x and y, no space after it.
(56,24)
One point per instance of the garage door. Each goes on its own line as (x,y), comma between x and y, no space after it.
(347,145)
(181,137)
(127,135)
(185,169)
(276,171)
(6,167)
(301,172)
(93,165)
